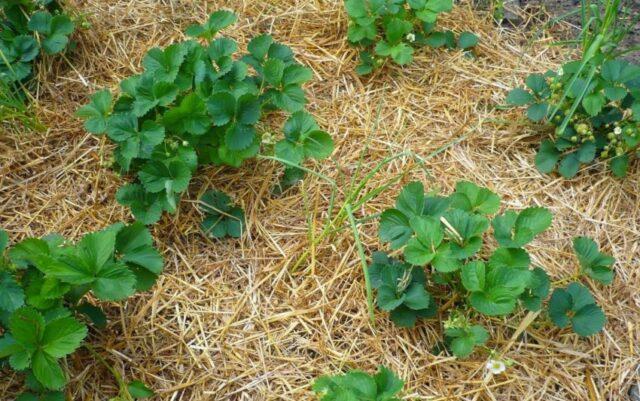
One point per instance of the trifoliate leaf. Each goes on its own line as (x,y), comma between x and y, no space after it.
(401,53)
(472,198)
(217,21)
(134,245)
(189,117)
(173,177)
(421,249)
(462,341)
(96,112)
(146,207)
(222,218)
(164,65)
(593,263)
(547,157)
(569,165)
(576,306)
(536,291)
(514,230)
(357,385)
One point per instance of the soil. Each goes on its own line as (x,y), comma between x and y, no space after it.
(556,8)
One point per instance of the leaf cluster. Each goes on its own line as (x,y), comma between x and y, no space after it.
(392,29)
(595,109)
(27,29)
(357,385)
(199,102)
(43,282)
(443,239)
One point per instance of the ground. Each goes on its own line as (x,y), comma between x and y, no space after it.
(259,318)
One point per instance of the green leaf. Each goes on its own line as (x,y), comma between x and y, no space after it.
(519,97)
(593,103)
(394,228)
(114,282)
(421,249)
(164,65)
(274,71)
(12,294)
(536,291)
(217,21)
(222,218)
(189,117)
(259,46)
(400,53)
(537,111)
(547,157)
(472,198)
(615,93)
(138,389)
(516,258)
(296,75)
(473,276)
(537,83)
(396,29)
(239,137)
(63,336)
(96,112)
(593,263)
(467,40)
(146,207)
(411,199)
(157,177)
(619,165)
(47,370)
(134,244)
(388,384)
(27,326)
(569,165)
(515,230)
(575,305)
(417,297)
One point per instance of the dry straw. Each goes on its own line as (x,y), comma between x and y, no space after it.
(229,320)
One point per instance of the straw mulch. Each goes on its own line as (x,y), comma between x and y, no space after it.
(230,320)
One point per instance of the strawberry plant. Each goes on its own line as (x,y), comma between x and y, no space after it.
(43,307)
(357,385)
(392,29)
(593,102)
(222,219)
(29,28)
(198,103)
(442,241)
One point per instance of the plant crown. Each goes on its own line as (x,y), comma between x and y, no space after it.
(197,104)
(442,240)
(43,283)
(392,29)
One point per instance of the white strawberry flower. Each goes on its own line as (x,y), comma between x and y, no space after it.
(495,366)
(617,130)
(411,37)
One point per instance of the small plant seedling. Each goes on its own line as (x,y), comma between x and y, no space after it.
(391,30)
(43,284)
(593,102)
(442,240)
(576,306)
(222,219)
(401,290)
(357,385)
(197,103)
